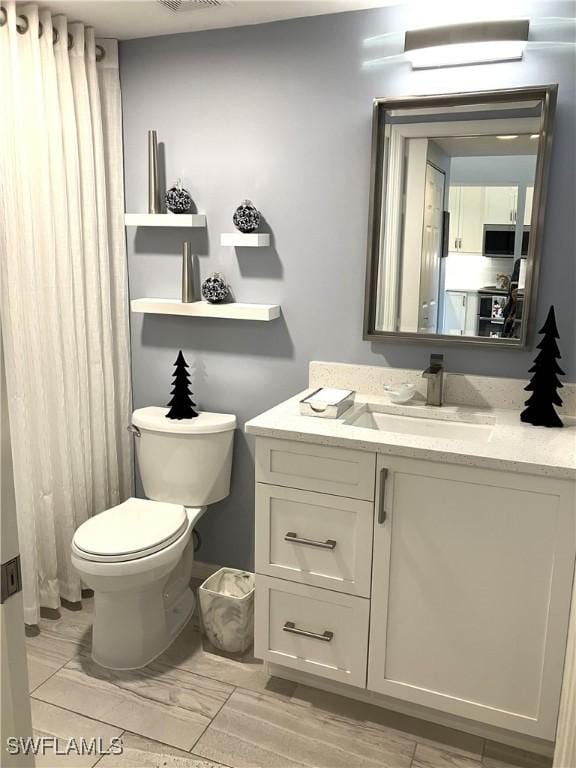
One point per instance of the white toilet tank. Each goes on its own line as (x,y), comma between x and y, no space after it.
(184,462)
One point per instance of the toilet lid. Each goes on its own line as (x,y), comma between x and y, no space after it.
(154,418)
(135,528)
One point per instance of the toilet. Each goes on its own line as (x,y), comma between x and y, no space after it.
(137,556)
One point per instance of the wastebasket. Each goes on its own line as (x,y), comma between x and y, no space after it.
(227,609)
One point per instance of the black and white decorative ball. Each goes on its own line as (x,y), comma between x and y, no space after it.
(246,217)
(215,289)
(178,199)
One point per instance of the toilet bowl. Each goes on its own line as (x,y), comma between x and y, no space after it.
(138,555)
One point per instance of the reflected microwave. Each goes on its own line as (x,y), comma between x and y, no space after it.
(498,240)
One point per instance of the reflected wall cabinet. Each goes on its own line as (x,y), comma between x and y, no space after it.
(471,207)
(466,219)
(500,205)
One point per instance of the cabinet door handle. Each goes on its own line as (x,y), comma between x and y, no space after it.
(295,539)
(381,508)
(291,627)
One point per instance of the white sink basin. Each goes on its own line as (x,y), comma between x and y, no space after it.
(443,429)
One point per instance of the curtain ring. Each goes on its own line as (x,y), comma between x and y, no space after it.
(22,27)
(70,41)
(100,52)
(55,35)
(3,16)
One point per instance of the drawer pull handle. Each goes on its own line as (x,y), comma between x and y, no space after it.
(295,539)
(291,627)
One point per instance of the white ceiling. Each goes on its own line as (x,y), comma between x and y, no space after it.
(126,19)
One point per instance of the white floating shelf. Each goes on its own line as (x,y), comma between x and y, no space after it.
(165,219)
(248,239)
(231,311)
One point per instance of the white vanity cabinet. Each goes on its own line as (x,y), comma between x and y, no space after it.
(443,586)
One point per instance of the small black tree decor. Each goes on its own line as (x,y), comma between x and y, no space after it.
(181,406)
(540,406)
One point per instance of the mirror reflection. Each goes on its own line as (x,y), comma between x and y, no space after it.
(455,218)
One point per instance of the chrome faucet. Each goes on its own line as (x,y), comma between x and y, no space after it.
(435,375)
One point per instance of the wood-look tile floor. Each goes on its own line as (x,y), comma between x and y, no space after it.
(193,709)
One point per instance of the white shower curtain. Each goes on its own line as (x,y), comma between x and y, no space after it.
(63,288)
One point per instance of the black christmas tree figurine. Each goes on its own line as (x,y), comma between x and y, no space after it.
(181,406)
(543,385)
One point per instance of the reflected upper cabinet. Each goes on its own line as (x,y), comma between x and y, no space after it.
(458,188)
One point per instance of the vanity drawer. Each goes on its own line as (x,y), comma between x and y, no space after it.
(314,538)
(312,467)
(314,630)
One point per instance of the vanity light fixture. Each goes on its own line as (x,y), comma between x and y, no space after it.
(455,45)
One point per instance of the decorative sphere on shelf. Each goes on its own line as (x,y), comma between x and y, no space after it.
(246,217)
(178,199)
(214,288)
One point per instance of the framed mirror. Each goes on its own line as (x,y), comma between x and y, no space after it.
(458,189)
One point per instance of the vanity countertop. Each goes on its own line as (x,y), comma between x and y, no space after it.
(513,446)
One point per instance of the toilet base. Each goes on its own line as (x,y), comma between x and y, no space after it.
(143,646)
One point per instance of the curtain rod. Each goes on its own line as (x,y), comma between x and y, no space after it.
(22,27)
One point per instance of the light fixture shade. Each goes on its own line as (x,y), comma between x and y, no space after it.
(473,43)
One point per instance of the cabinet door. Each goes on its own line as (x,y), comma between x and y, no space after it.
(500,205)
(472,311)
(528,206)
(454,313)
(472,571)
(454,208)
(472,219)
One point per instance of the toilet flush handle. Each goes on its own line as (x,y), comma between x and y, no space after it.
(134,430)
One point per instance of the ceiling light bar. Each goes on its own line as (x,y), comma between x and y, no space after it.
(455,45)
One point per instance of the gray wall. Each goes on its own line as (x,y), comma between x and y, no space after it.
(494,169)
(281,114)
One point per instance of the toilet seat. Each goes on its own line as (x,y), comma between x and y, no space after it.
(131,530)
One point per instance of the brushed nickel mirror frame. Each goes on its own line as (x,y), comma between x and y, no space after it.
(547,95)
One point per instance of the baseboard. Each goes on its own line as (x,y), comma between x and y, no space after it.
(202,570)
(493,733)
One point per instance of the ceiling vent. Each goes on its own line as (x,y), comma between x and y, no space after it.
(178,6)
